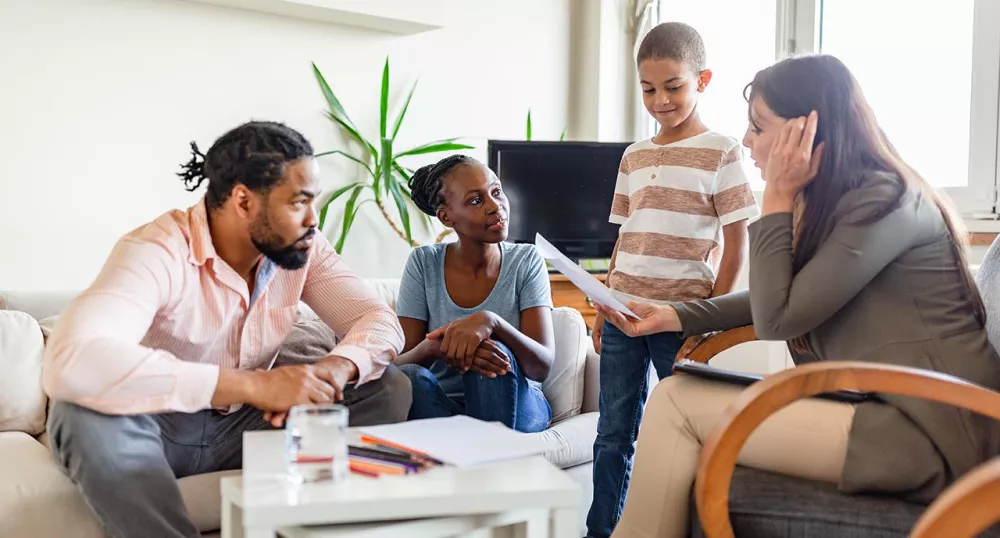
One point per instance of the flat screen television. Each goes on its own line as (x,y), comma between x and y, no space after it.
(562,190)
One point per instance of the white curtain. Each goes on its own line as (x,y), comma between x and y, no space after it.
(645,14)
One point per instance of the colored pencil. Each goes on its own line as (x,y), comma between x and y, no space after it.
(380,442)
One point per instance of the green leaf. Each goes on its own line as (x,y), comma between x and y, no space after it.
(385,165)
(435,147)
(349,213)
(331,98)
(402,113)
(349,156)
(336,194)
(345,125)
(404,211)
(384,105)
(562,135)
(527,127)
(404,172)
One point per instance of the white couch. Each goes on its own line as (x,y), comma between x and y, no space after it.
(37,500)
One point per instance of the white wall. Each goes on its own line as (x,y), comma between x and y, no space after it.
(99,99)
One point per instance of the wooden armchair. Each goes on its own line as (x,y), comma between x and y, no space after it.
(759,503)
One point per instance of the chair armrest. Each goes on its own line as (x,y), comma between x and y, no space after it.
(702,348)
(963,509)
(764,398)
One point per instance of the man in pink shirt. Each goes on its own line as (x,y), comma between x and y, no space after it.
(159,367)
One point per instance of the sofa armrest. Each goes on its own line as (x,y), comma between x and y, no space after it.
(592,380)
(564,387)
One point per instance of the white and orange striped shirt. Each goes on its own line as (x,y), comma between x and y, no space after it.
(166,313)
(672,201)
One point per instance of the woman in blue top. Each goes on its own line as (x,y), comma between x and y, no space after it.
(477,313)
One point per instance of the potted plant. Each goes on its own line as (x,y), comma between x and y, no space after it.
(386,177)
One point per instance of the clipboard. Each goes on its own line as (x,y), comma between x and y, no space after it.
(732,377)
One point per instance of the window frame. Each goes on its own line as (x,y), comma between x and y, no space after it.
(800,32)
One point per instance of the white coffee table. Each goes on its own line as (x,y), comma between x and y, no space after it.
(532,494)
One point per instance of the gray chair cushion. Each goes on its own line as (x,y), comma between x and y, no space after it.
(769,505)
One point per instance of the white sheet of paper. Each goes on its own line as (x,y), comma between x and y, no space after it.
(586,282)
(460,440)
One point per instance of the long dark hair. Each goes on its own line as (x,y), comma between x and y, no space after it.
(855,146)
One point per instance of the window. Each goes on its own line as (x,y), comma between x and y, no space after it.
(723,24)
(930,70)
(920,77)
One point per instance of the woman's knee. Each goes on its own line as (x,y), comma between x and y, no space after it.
(668,393)
(420,378)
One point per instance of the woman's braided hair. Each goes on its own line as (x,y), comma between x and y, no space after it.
(253,154)
(425,185)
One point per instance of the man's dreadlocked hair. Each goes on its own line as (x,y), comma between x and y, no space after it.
(253,154)
(425,185)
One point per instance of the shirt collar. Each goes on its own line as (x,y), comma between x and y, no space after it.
(200,241)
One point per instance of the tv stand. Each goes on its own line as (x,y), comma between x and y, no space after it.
(564,293)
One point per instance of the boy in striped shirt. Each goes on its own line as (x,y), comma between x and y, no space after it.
(676,196)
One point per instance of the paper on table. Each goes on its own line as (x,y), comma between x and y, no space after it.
(587,283)
(459,440)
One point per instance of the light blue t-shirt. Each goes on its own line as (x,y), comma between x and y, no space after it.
(523,283)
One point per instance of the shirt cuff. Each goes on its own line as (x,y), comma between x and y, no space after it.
(362,358)
(617,219)
(196,384)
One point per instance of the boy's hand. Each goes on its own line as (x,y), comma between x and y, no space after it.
(597,331)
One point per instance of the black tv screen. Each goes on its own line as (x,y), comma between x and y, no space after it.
(562,190)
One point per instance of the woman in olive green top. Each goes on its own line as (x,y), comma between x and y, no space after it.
(855,258)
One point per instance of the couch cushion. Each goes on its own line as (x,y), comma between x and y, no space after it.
(36,498)
(22,401)
(564,386)
(202,497)
(764,504)
(38,304)
(571,442)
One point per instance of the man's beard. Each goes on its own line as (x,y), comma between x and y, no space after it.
(270,245)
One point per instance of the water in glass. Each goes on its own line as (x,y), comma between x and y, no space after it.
(316,443)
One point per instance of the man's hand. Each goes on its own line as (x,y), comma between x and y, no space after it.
(335,372)
(461,338)
(277,390)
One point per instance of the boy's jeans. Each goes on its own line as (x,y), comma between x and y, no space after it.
(509,398)
(624,386)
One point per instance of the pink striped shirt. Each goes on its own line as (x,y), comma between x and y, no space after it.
(166,312)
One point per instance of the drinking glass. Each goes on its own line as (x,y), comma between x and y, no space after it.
(316,443)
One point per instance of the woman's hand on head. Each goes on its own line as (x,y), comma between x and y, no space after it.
(460,338)
(792,162)
(652,319)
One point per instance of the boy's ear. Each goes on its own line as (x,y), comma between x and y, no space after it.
(704,78)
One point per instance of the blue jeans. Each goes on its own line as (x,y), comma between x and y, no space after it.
(624,386)
(507,398)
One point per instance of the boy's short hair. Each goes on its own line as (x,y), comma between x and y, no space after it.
(674,41)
